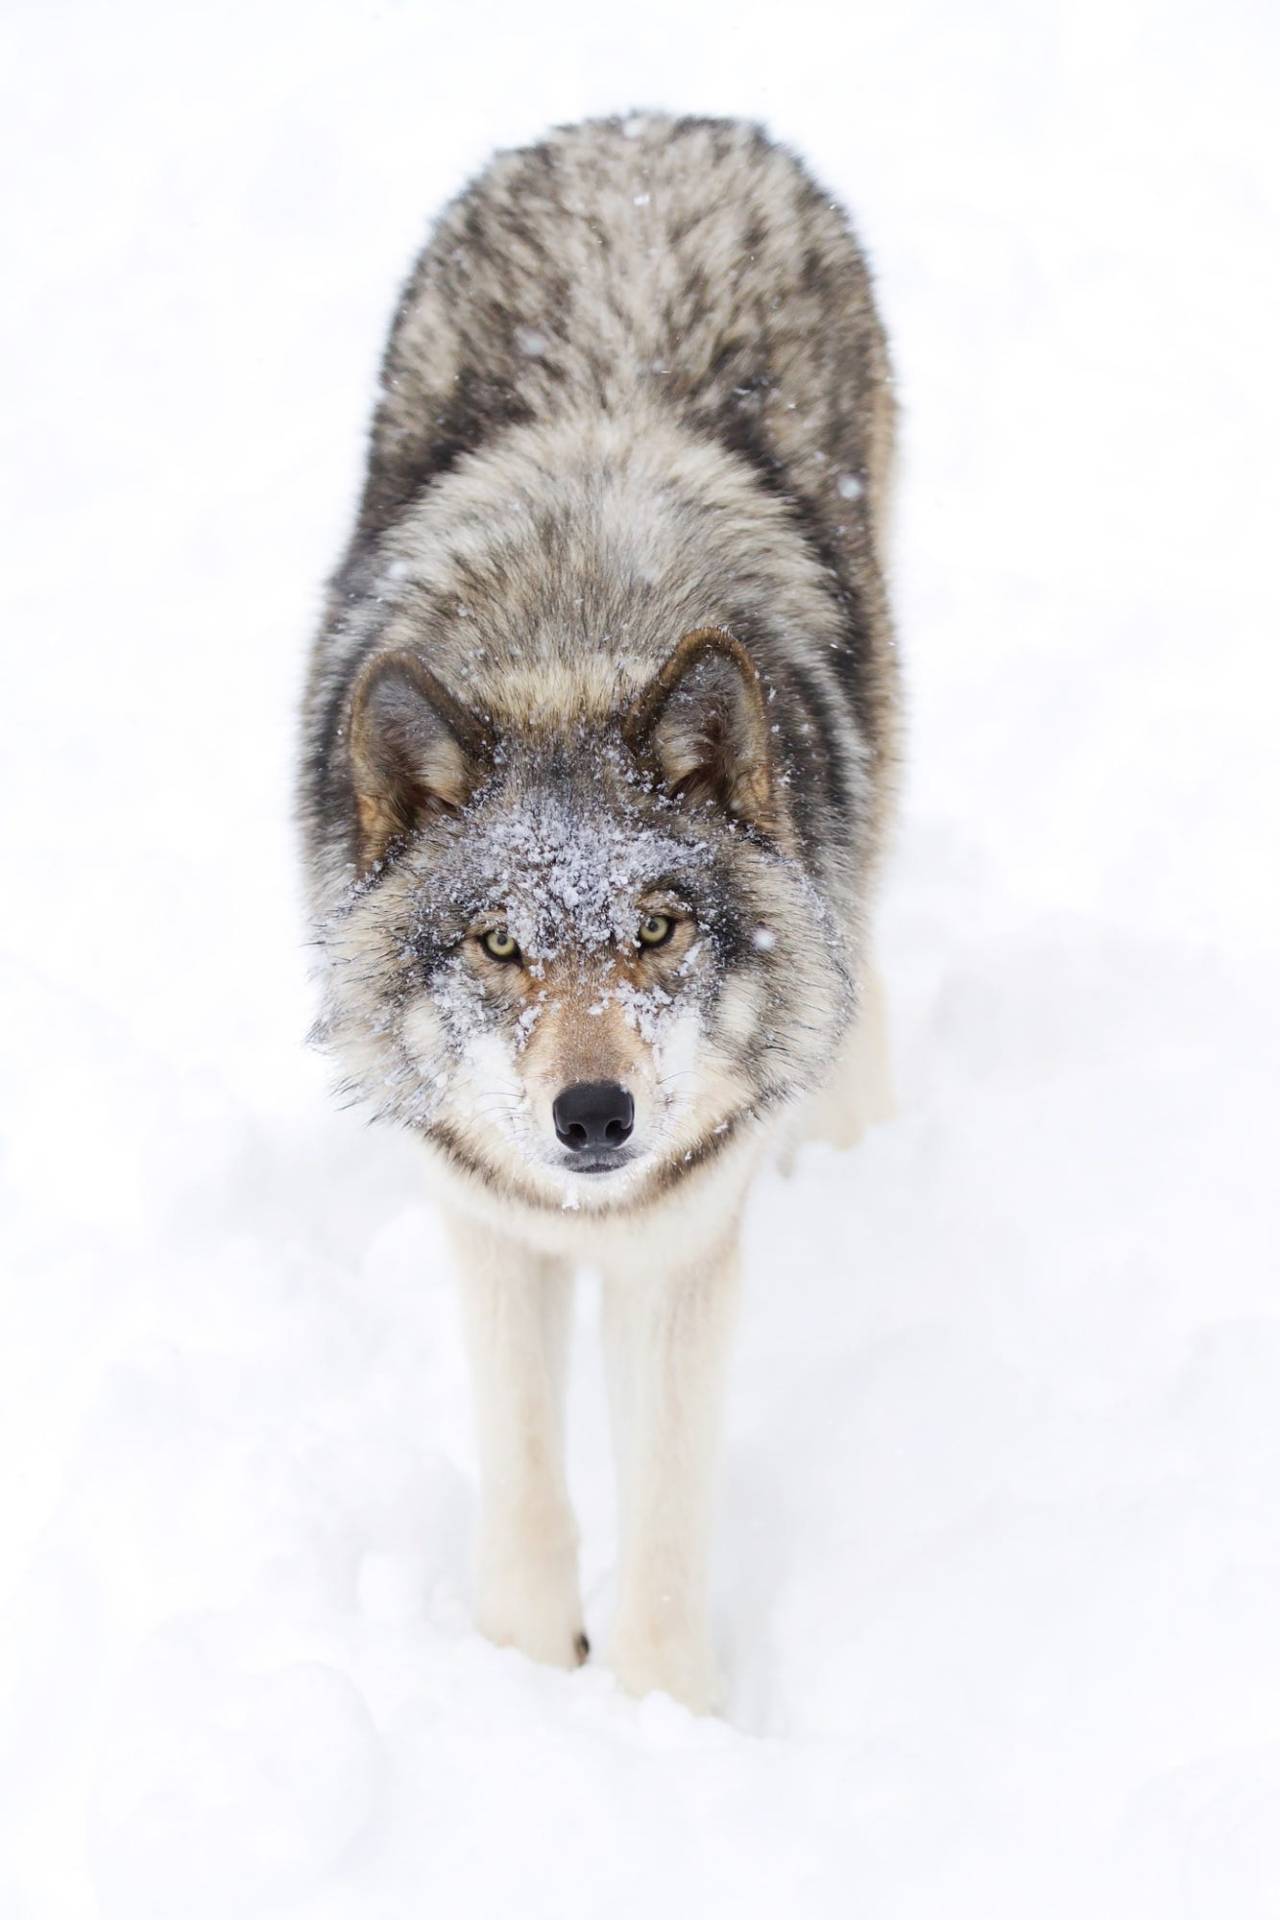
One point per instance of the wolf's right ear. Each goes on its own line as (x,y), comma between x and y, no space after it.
(415,750)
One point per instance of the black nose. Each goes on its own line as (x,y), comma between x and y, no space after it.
(593,1113)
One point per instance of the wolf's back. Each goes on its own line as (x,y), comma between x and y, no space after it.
(688,262)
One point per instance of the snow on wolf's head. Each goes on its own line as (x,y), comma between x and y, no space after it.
(579,954)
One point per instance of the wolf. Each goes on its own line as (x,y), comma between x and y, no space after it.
(599,743)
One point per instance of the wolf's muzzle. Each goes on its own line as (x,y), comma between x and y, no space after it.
(593,1113)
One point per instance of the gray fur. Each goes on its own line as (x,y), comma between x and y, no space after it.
(636,386)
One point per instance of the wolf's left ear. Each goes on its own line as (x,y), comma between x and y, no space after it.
(415,751)
(700,726)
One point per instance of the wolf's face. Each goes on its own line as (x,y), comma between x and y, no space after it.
(578,959)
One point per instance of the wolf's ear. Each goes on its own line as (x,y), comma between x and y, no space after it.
(700,726)
(415,750)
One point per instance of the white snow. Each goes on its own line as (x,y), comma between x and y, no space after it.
(999,1561)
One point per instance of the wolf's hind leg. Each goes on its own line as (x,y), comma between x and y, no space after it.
(666,1340)
(516,1311)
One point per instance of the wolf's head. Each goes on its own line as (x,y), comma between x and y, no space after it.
(579,954)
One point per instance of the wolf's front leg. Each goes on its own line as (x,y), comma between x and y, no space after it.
(666,1341)
(515,1309)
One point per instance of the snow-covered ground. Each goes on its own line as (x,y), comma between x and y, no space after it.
(999,1562)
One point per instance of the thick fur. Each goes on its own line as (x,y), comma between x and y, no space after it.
(610,641)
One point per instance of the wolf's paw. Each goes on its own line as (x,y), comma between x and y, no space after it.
(649,1659)
(532,1603)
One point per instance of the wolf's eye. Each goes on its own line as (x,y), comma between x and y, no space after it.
(499,945)
(655,930)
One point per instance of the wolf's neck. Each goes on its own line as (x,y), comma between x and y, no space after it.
(587,547)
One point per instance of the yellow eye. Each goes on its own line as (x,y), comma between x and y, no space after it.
(499,945)
(656,929)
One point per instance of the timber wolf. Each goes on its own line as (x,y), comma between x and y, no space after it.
(598,762)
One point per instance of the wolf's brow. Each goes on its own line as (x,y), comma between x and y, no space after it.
(668,883)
